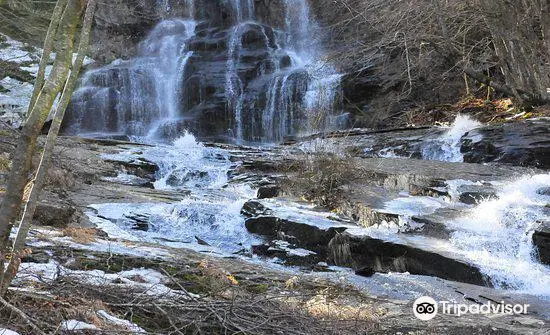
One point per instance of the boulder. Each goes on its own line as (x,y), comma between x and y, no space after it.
(55,213)
(541,240)
(368,255)
(254,208)
(474,194)
(269,191)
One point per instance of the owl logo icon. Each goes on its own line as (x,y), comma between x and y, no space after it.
(425,308)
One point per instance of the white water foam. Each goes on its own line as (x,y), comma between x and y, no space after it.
(497,236)
(211,212)
(447,146)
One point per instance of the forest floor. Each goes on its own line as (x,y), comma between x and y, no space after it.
(484,111)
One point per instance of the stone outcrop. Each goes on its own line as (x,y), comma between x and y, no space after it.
(524,143)
(541,240)
(370,255)
(342,244)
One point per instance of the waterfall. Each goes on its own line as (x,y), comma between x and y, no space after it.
(136,97)
(244,9)
(228,77)
(234,86)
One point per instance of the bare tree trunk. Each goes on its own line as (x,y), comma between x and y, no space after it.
(22,160)
(519,32)
(32,202)
(46,53)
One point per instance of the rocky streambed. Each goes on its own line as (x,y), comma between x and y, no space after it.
(405,226)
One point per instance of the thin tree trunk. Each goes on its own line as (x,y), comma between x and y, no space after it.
(46,53)
(45,161)
(22,160)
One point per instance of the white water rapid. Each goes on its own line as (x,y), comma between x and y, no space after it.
(447,146)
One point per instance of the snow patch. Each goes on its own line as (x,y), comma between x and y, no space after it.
(120,322)
(72,325)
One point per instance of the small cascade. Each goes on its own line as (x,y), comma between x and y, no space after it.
(497,235)
(210,212)
(243,9)
(447,146)
(234,86)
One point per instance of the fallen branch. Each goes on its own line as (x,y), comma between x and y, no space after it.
(22,316)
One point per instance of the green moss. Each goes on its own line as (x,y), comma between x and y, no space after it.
(258,289)
(5,163)
(196,284)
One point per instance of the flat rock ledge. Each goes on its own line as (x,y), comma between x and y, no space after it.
(346,245)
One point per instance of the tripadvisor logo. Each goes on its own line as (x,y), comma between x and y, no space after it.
(426,308)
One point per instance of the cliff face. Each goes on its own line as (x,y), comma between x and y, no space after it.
(121,24)
(230,70)
(374,86)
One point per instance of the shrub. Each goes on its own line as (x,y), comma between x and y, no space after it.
(321,177)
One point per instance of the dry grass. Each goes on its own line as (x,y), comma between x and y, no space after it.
(322,178)
(60,179)
(5,162)
(81,235)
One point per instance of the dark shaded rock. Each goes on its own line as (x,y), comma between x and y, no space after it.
(55,213)
(141,221)
(474,194)
(544,191)
(184,176)
(524,143)
(139,167)
(367,254)
(365,272)
(306,235)
(541,240)
(39,256)
(200,241)
(271,191)
(434,225)
(254,208)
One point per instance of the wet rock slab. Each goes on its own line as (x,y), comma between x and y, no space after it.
(524,143)
(364,250)
(369,255)
(474,194)
(295,228)
(541,240)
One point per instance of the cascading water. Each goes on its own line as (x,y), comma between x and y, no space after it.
(497,235)
(211,212)
(447,146)
(232,76)
(136,97)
